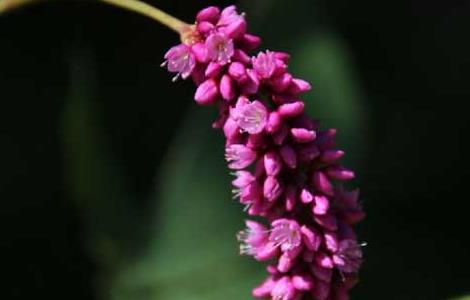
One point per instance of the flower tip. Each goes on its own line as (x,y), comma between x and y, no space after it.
(207,92)
(209,14)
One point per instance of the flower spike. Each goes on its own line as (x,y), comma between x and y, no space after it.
(287,169)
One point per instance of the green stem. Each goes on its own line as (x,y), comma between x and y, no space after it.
(131,5)
(151,12)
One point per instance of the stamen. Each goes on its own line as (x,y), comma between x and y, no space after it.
(247,207)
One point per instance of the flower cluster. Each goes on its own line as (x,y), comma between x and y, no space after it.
(287,169)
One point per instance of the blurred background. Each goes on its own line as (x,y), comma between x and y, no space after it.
(113,185)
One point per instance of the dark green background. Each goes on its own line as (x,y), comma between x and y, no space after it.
(113,185)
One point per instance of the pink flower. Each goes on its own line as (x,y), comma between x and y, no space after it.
(264,64)
(180,60)
(229,16)
(243,178)
(286,234)
(348,257)
(251,117)
(239,156)
(219,48)
(253,238)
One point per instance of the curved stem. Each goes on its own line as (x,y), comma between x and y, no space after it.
(7,5)
(131,5)
(151,12)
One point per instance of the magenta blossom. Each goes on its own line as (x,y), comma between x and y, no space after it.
(219,48)
(285,234)
(251,117)
(254,238)
(180,60)
(348,257)
(239,156)
(265,64)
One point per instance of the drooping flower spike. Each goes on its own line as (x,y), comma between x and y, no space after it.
(287,169)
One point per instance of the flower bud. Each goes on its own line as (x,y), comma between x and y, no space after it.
(321,205)
(305,196)
(238,72)
(207,92)
(227,89)
(302,135)
(272,163)
(213,70)
(200,52)
(290,110)
(339,173)
(274,122)
(272,188)
(209,14)
(311,238)
(322,184)
(288,156)
(250,42)
(299,86)
(235,29)
(280,83)
(204,27)
(331,156)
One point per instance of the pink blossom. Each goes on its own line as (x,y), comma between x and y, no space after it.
(286,234)
(229,16)
(243,178)
(251,117)
(253,238)
(265,64)
(180,60)
(348,257)
(219,48)
(239,156)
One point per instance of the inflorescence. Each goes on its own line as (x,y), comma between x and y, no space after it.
(286,168)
